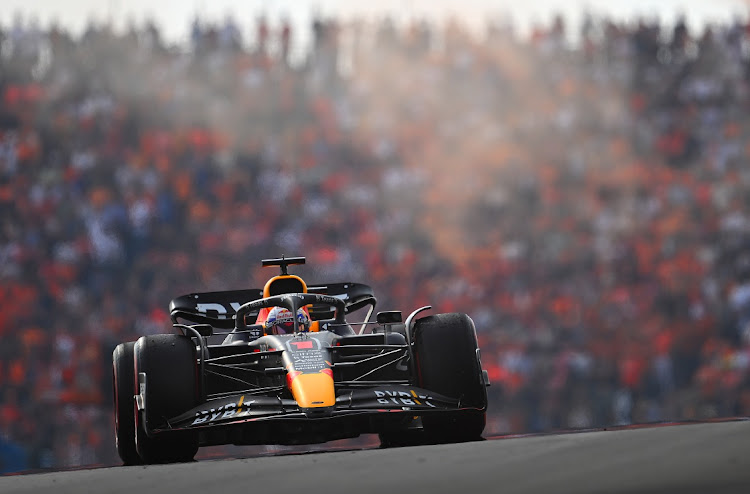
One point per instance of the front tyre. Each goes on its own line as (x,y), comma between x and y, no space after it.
(122,376)
(169,364)
(447,360)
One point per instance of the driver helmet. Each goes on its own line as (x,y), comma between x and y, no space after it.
(281,321)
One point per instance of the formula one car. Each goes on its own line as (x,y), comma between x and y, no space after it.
(292,370)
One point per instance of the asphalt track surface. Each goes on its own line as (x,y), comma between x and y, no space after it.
(697,458)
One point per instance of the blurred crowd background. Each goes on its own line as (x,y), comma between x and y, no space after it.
(586,203)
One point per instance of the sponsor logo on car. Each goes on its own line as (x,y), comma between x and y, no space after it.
(402,398)
(230,410)
(221,310)
(223,412)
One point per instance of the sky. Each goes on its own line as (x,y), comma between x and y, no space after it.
(174,16)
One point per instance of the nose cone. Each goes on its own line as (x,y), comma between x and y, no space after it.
(314,390)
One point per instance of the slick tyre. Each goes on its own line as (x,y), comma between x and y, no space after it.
(169,364)
(122,376)
(445,346)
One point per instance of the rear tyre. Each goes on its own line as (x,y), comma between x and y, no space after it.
(445,346)
(122,376)
(169,362)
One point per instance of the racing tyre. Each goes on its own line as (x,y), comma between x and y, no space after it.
(169,363)
(445,346)
(122,376)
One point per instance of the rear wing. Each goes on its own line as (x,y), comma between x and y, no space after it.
(356,296)
(219,308)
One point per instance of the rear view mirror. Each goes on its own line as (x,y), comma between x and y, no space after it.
(205,330)
(389,317)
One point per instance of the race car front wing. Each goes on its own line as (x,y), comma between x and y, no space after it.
(356,411)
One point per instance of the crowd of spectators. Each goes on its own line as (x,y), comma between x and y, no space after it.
(586,203)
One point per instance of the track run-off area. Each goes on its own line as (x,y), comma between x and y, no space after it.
(693,458)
